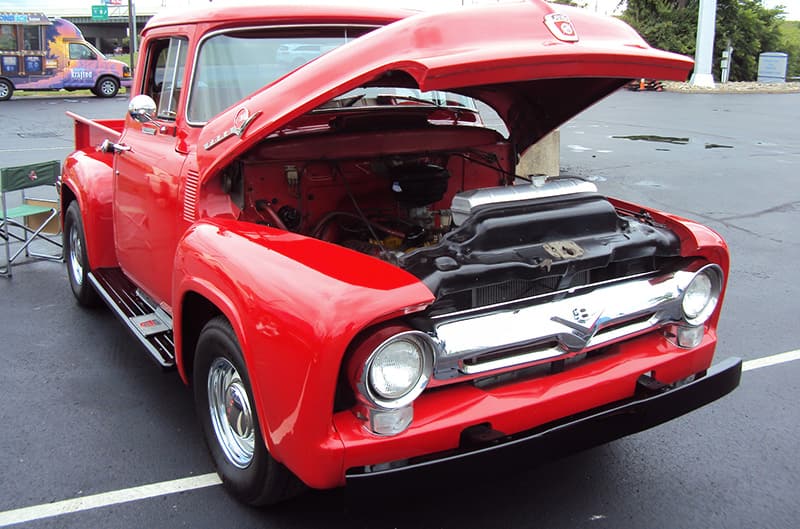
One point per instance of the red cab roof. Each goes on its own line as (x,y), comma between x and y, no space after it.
(278,14)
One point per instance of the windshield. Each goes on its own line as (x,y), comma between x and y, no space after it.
(231,66)
(95,50)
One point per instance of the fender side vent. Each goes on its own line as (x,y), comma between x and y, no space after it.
(190,196)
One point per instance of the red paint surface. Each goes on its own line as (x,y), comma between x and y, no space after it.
(296,302)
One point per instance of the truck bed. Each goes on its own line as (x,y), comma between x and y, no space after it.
(91,132)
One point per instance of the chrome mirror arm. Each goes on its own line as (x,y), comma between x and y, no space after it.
(142,108)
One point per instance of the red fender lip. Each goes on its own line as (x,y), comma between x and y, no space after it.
(295,304)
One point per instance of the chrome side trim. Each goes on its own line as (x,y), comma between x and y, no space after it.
(573,322)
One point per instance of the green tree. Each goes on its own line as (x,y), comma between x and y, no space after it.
(790,43)
(746,24)
(666,24)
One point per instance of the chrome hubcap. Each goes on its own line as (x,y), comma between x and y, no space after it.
(3,90)
(231,413)
(107,87)
(75,255)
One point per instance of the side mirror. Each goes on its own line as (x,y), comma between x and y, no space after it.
(142,108)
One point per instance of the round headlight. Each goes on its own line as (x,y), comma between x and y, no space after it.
(399,369)
(395,369)
(702,295)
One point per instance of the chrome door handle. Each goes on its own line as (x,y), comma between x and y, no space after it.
(110,146)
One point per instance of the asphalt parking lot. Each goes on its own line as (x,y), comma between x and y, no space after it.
(84,412)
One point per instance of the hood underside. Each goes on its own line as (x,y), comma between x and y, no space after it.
(534,65)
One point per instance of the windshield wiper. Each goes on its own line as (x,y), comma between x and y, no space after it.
(427,102)
(350,101)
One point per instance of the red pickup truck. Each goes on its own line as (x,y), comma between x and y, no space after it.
(341,261)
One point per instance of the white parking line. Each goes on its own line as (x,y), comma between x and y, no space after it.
(37,512)
(32,149)
(767,361)
(105,499)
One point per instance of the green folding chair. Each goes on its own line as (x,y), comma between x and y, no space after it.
(27,222)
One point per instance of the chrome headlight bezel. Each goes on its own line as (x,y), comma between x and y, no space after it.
(423,343)
(711,273)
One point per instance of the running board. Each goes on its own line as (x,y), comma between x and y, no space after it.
(150,324)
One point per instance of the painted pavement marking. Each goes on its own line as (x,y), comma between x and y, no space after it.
(164,488)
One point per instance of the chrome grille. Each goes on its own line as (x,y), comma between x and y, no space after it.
(546,327)
(513,289)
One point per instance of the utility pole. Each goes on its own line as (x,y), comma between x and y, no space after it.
(704,54)
(132,32)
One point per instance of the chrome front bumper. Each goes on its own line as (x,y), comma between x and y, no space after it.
(501,337)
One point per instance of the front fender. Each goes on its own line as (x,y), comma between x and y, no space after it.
(89,177)
(696,240)
(295,304)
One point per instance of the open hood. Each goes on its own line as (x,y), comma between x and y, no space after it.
(535,63)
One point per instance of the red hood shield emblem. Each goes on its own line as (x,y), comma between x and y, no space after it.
(561,27)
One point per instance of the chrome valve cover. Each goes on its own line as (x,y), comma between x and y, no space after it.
(463,203)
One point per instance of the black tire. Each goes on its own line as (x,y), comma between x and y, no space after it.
(237,447)
(6,90)
(75,256)
(106,87)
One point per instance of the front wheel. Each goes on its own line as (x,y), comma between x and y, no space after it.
(77,262)
(224,403)
(106,87)
(6,89)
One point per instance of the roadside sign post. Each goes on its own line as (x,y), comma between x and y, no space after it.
(703,57)
(132,32)
(725,64)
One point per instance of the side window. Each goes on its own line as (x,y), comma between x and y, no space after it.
(31,37)
(79,52)
(166,65)
(8,37)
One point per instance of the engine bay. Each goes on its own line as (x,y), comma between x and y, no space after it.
(382,207)
(443,203)
(376,191)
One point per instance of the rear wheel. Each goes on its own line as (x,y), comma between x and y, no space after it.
(75,253)
(6,89)
(106,87)
(223,398)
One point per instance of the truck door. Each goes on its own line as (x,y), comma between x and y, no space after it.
(81,66)
(147,175)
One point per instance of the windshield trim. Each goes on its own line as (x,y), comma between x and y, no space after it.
(422,103)
(100,54)
(224,31)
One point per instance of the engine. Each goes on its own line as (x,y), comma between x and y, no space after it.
(413,223)
(458,224)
